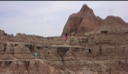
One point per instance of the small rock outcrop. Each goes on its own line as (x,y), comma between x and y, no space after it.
(2,32)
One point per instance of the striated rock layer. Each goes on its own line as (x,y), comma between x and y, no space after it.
(100,47)
(85,21)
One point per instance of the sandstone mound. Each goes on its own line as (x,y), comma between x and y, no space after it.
(22,52)
(114,24)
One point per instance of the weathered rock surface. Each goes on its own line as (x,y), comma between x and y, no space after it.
(114,24)
(81,22)
(104,57)
(21,52)
(85,21)
(100,47)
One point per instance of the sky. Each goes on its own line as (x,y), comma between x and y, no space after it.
(48,18)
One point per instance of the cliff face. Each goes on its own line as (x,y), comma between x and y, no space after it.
(82,22)
(101,47)
(85,21)
(110,57)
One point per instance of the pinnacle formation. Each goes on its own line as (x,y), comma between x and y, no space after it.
(85,21)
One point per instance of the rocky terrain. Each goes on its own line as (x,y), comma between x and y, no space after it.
(85,21)
(94,46)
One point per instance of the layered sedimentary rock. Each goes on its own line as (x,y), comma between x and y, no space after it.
(103,57)
(85,21)
(99,47)
(5,37)
(81,22)
(114,24)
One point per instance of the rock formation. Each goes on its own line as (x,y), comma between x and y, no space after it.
(82,22)
(85,21)
(100,47)
(114,24)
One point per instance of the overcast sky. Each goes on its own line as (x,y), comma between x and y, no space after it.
(47,18)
